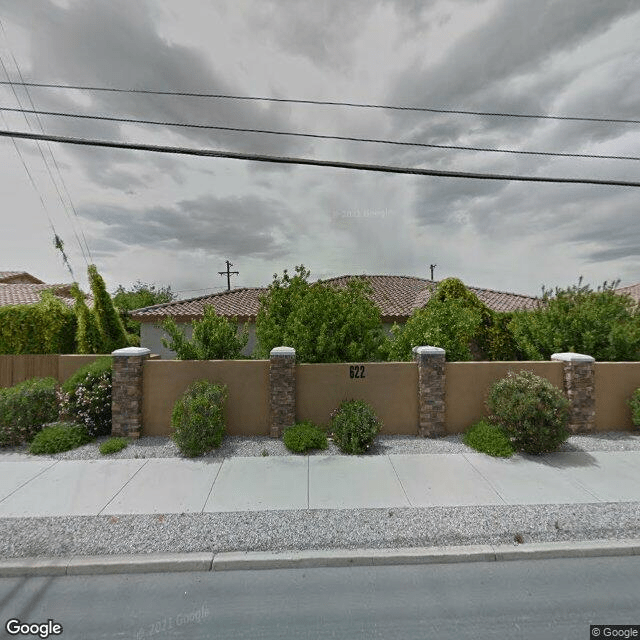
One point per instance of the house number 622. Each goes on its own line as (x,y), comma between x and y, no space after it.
(356,371)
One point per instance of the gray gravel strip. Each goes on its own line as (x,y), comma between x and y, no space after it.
(158,447)
(316,529)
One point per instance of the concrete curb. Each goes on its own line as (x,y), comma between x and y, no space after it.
(247,560)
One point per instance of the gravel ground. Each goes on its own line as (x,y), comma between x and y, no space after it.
(316,528)
(157,447)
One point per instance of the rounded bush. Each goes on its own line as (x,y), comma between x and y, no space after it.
(488,438)
(25,408)
(531,411)
(304,436)
(354,426)
(634,403)
(198,418)
(86,397)
(113,445)
(59,436)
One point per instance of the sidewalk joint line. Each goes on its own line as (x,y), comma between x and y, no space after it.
(124,485)
(400,481)
(464,455)
(26,482)
(212,485)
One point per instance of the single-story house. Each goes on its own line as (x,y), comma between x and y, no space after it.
(396,297)
(20,287)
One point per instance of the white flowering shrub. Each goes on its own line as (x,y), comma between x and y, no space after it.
(86,398)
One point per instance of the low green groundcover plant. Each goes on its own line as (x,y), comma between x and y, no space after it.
(488,438)
(113,445)
(59,436)
(354,426)
(198,418)
(25,408)
(304,436)
(531,411)
(86,397)
(634,403)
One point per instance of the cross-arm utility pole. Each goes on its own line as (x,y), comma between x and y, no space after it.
(228,274)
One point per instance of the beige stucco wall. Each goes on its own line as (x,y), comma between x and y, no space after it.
(247,381)
(151,337)
(17,368)
(615,382)
(467,386)
(391,389)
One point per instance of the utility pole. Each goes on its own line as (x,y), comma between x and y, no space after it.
(228,274)
(432,267)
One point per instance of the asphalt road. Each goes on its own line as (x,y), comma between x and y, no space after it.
(517,599)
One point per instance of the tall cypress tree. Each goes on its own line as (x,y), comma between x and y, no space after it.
(88,338)
(109,322)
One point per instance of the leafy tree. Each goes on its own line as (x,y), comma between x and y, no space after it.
(323,323)
(88,338)
(214,338)
(457,321)
(138,296)
(601,323)
(112,332)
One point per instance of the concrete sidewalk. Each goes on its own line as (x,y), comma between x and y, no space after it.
(46,487)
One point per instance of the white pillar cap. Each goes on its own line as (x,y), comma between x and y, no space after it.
(572,357)
(282,352)
(131,351)
(426,349)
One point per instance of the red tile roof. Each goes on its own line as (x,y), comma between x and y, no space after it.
(13,294)
(395,296)
(18,277)
(632,290)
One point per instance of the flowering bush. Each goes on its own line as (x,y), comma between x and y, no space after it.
(25,408)
(354,426)
(85,398)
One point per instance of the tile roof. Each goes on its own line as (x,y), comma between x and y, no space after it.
(395,296)
(13,294)
(632,290)
(18,277)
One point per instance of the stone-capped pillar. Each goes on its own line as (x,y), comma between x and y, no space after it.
(282,384)
(431,380)
(126,394)
(579,385)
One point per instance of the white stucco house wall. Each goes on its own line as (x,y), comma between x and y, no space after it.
(396,297)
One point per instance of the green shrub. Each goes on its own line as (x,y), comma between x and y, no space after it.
(531,411)
(24,408)
(198,418)
(86,397)
(113,445)
(634,403)
(304,436)
(46,327)
(60,436)
(488,438)
(354,426)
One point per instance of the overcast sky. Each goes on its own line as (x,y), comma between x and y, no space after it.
(171,219)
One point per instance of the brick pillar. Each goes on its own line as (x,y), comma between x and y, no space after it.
(431,420)
(282,383)
(126,398)
(579,385)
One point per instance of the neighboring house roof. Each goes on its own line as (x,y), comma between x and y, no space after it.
(14,294)
(18,277)
(396,297)
(632,290)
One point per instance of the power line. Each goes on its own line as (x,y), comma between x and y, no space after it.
(83,116)
(46,163)
(327,103)
(214,153)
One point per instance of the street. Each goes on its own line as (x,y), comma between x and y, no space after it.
(519,599)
